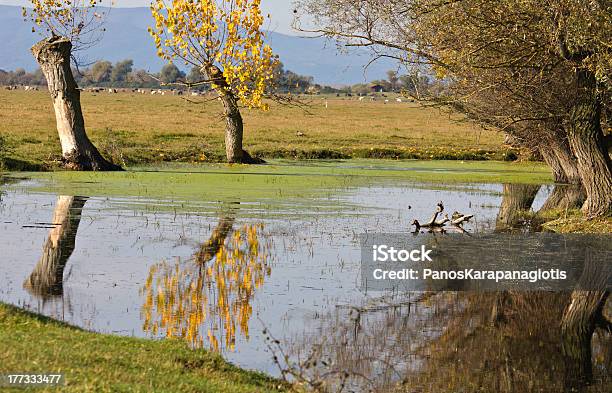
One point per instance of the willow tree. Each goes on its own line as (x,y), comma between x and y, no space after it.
(72,25)
(224,40)
(512,47)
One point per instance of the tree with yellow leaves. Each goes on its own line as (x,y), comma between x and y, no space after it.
(72,25)
(224,39)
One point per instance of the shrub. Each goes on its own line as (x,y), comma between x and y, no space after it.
(4,150)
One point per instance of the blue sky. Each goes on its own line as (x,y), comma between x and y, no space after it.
(281,11)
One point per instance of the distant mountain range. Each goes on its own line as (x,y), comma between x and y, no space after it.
(126,37)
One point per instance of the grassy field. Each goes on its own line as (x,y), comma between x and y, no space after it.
(103,363)
(153,128)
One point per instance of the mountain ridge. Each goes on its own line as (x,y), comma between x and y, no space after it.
(126,37)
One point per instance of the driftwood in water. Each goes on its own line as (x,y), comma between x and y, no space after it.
(458,219)
(434,224)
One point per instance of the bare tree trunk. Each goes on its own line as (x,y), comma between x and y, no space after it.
(587,141)
(566,158)
(234,127)
(517,198)
(554,163)
(53,56)
(46,279)
(558,155)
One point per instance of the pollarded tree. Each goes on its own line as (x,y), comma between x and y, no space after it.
(223,38)
(511,47)
(72,25)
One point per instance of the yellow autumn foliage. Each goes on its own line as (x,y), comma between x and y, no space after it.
(226,34)
(186,300)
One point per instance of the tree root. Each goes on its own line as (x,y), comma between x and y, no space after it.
(91,161)
(248,159)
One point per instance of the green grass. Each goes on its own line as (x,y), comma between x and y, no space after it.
(147,129)
(573,221)
(95,362)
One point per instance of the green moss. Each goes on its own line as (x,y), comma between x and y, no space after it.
(280,180)
(95,362)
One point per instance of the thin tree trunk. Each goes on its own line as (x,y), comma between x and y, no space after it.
(53,56)
(234,127)
(46,279)
(587,141)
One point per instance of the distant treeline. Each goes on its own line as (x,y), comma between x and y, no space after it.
(123,75)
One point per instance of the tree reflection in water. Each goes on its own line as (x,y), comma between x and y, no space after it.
(448,342)
(208,299)
(47,277)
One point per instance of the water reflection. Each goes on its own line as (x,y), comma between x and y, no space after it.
(46,280)
(436,342)
(459,342)
(209,299)
(516,200)
(311,302)
(563,197)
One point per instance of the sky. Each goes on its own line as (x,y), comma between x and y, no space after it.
(281,11)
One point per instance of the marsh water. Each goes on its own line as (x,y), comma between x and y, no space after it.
(253,270)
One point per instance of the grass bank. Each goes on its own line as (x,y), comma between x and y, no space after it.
(574,222)
(95,362)
(139,129)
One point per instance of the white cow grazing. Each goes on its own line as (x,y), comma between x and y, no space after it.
(398,100)
(361,98)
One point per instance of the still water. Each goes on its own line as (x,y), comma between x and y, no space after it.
(253,280)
